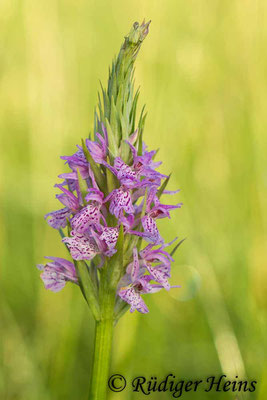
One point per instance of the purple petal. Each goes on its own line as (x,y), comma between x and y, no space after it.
(98,151)
(159,276)
(171,191)
(58,219)
(94,195)
(110,237)
(86,217)
(162,210)
(120,199)
(133,137)
(132,297)
(56,273)
(133,267)
(67,198)
(151,232)
(81,247)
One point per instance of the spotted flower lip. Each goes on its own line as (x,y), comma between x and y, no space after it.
(120,200)
(109,236)
(132,297)
(151,232)
(56,273)
(81,246)
(88,216)
(160,275)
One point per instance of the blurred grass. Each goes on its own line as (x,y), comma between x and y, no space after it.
(202,72)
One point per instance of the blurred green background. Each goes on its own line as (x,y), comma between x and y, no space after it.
(203,76)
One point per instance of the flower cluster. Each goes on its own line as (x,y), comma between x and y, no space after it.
(134,203)
(113,186)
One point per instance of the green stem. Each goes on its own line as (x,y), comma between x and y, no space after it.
(102,357)
(103,340)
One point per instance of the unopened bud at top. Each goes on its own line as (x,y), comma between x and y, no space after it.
(138,32)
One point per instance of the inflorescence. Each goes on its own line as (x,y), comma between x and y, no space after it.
(114,186)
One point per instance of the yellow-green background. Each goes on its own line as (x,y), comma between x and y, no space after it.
(203,76)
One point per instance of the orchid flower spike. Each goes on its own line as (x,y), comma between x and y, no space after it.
(112,201)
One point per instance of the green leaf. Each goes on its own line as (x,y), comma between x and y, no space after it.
(120,309)
(106,103)
(155,154)
(62,234)
(93,272)
(125,149)
(141,125)
(128,106)
(114,87)
(176,247)
(88,288)
(100,107)
(114,122)
(111,79)
(163,186)
(112,182)
(119,101)
(113,148)
(133,111)
(123,126)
